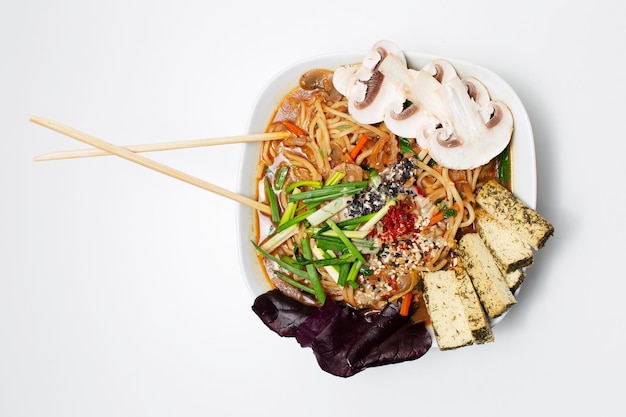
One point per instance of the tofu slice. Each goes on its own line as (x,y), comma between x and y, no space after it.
(488,280)
(508,249)
(514,279)
(477,318)
(446,310)
(514,214)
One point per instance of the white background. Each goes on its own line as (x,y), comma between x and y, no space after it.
(120,288)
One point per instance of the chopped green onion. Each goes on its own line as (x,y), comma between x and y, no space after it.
(365,270)
(354,271)
(449,213)
(295,220)
(374,179)
(314,202)
(367,227)
(330,192)
(328,210)
(273,200)
(346,241)
(289,260)
(279,237)
(320,254)
(294,270)
(344,270)
(349,223)
(303,183)
(335,178)
(313,277)
(295,283)
(288,213)
(405,146)
(280,177)
(504,168)
(350,234)
(323,262)
(343,259)
(334,243)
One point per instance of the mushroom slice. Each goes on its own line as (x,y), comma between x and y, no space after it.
(479,93)
(441,70)
(320,79)
(369,93)
(456,152)
(477,131)
(471,129)
(410,119)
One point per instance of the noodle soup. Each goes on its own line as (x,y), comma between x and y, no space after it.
(421,208)
(269,108)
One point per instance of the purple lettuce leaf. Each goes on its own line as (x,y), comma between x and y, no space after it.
(344,341)
(281,313)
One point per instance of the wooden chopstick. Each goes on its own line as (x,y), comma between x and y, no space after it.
(166,146)
(147,162)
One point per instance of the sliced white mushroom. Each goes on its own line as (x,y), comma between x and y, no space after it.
(469,132)
(441,70)
(479,93)
(368,93)
(454,119)
(453,151)
(409,119)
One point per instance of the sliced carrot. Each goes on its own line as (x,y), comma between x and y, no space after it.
(294,128)
(439,216)
(406,303)
(359,146)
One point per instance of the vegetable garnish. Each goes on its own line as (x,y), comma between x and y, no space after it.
(295,220)
(280,177)
(334,243)
(303,183)
(406,304)
(443,214)
(312,271)
(331,192)
(337,247)
(345,240)
(279,237)
(353,273)
(295,283)
(504,168)
(326,255)
(369,225)
(293,128)
(289,212)
(359,146)
(328,210)
(335,178)
(405,146)
(273,201)
(286,265)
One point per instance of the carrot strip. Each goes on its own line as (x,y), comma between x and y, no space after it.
(439,216)
(293,128)
(359,146)
(406,304)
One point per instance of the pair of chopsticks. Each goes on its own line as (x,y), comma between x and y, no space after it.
(132,153)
